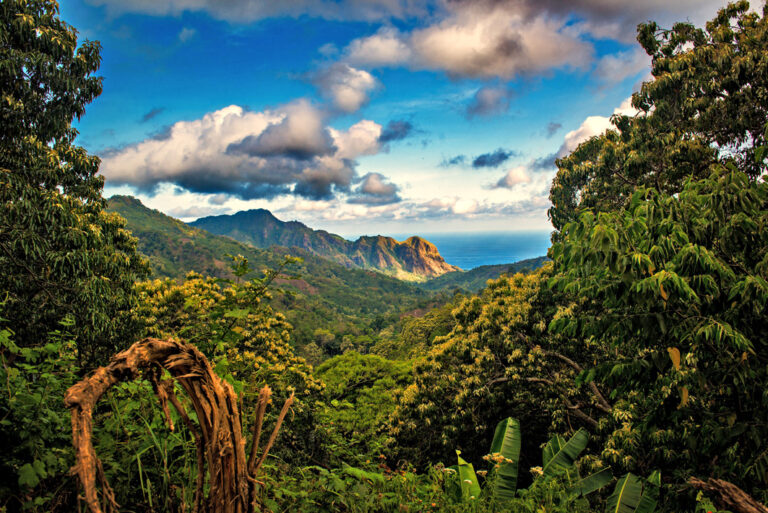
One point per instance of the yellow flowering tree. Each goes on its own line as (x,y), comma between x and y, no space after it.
(248,342)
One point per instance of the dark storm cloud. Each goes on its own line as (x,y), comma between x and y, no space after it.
(493,159)
(375,189)
(395,130)
(458,160)
(489,101)
(544,163)
(212,181)
(152,114)
(552,128)
(273,146)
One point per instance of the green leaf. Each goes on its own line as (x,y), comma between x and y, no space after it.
(650,497)
(371,477)
(626,496)
(6,342)
(28,476)
(559,456)
(237,313)
(506,441)
(470,488)
(554,446)
(39,467)
(594,482)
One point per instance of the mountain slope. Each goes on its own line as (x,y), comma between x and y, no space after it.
(475,279)
(327,295)
(413,259)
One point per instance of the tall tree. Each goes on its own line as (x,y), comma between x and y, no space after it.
(61,254)
(662,237)
(676,287)
(707,104)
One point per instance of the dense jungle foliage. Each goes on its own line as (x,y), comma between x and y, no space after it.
(635,360)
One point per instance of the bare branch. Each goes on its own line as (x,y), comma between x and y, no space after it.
(602,403)
(261,407)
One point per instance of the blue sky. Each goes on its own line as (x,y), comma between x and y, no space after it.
(359,117)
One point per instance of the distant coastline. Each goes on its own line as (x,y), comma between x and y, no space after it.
(470,250)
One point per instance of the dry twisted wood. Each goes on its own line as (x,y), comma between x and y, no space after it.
(233,487)
(729,496)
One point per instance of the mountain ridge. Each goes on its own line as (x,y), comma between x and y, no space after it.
(414,259)
(325,295)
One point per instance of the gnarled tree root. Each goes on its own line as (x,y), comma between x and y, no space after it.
(728,495)
(233,487)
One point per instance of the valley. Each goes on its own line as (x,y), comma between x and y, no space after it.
(327,301)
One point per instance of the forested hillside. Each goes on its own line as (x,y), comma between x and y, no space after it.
(324,301)
(476,279)
(627,373)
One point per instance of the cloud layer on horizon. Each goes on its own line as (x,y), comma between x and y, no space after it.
(249,155)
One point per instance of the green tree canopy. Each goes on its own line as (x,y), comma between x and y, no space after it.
(62,255)
(707,103)
(676,287)
(497,361)
(360,394)
(662,242)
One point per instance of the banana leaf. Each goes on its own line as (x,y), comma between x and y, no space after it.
(470,488)
(559,456)
(631,495)
(650,498)
(506,441)
(626,496)
(594,482)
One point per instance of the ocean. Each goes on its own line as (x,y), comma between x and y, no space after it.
(470,250)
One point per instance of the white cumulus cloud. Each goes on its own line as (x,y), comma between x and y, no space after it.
(478,40)
(249,155)
(348,88)
(385,48)
(592,126)
(515,176)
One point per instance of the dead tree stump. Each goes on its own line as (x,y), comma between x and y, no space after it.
(232,483)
